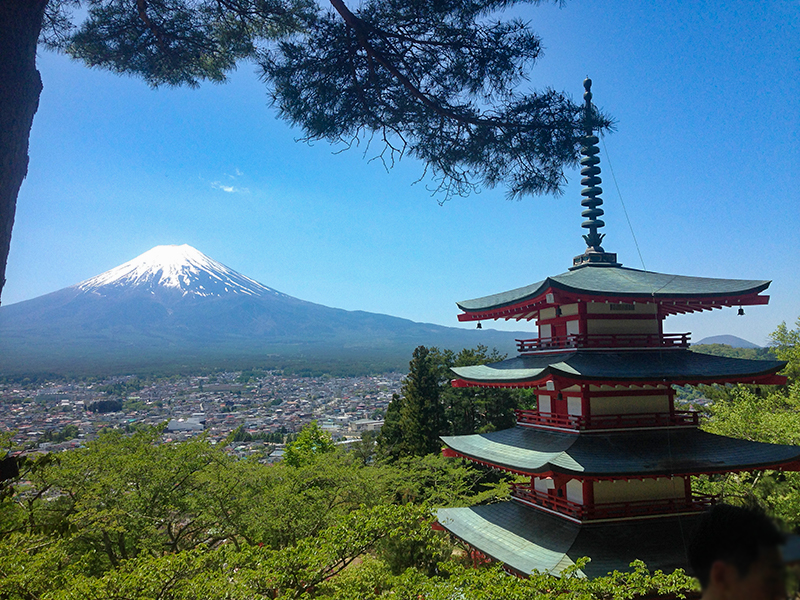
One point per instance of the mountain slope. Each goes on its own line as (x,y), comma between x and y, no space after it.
(729,340)
(173,304)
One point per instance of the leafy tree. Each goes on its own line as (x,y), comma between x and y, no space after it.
(105,406)
(310,443)
(761,414)
(731,352)
(785,343)
(122,496)
(428,406)
(415,419)
(69,432)
(436,80)
(471,410)
(435,481)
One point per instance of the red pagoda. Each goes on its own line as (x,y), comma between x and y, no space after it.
(608,461)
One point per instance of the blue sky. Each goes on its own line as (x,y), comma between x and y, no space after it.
(707,101)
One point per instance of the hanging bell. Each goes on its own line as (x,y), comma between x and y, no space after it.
(741,311)
(479,325)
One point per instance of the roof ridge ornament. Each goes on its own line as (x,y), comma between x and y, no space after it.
(594,254)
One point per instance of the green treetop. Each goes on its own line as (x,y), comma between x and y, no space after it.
(310,443)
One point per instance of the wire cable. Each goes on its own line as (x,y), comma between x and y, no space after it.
(621,201)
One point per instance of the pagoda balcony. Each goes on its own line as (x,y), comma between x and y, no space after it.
(612,510)
(605,340)
(678,418)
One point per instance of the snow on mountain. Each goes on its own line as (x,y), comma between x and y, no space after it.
(178,268)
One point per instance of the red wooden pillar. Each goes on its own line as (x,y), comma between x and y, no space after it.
(671,396)
(585,404)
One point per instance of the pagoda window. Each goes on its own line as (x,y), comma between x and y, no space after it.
(544,404)
(633,404)
(575,491)
(662,488)
(622,309)
(545,331)
(568,310)
(622,326)
(547,313)
(574,405)
(543,484)
(573,327)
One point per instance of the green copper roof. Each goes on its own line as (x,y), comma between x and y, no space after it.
(663,365)
(621,453)
(526,539)
(622,282)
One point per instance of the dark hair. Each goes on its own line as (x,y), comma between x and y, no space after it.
(734,535)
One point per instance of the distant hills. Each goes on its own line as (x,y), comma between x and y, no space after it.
(173,308)
(728,340)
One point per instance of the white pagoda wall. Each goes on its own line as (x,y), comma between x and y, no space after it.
(622,405)
(639,489)
(621,326)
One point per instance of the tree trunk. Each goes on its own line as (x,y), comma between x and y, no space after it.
(20,86)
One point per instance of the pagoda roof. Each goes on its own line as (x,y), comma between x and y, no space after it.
(621,283)
(674,365)
(526,539)
(622,453)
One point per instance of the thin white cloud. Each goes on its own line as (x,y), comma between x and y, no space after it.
(229,188)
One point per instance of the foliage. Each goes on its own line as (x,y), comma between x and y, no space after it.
(458,580)
(414,419)
(474,409)
(105,406)
(785,343)
(241,435)
(120,388)
(195,523)
(32,565)
(428,406)
(434,480)
(761,414)
(435,79)
(731,352)
(69,432)
(310,443)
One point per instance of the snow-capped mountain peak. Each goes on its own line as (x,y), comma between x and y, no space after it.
(179,268)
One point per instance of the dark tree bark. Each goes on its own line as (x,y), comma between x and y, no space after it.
(20,87)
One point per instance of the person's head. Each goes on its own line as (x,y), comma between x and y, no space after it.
(736,554)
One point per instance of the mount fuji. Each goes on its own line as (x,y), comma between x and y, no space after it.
(175,306)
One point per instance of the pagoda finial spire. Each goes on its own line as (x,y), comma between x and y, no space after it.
(590,170)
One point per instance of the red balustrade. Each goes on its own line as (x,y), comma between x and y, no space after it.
(612,510)
(609,340)
(685,418)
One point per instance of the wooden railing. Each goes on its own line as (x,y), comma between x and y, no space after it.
(612,510)
(683,418)
(609,340)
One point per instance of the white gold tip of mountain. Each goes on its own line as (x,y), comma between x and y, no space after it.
(180,268)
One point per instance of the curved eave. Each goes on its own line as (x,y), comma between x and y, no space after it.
(659,452)
(674,293)
(525,539)
(673,366)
